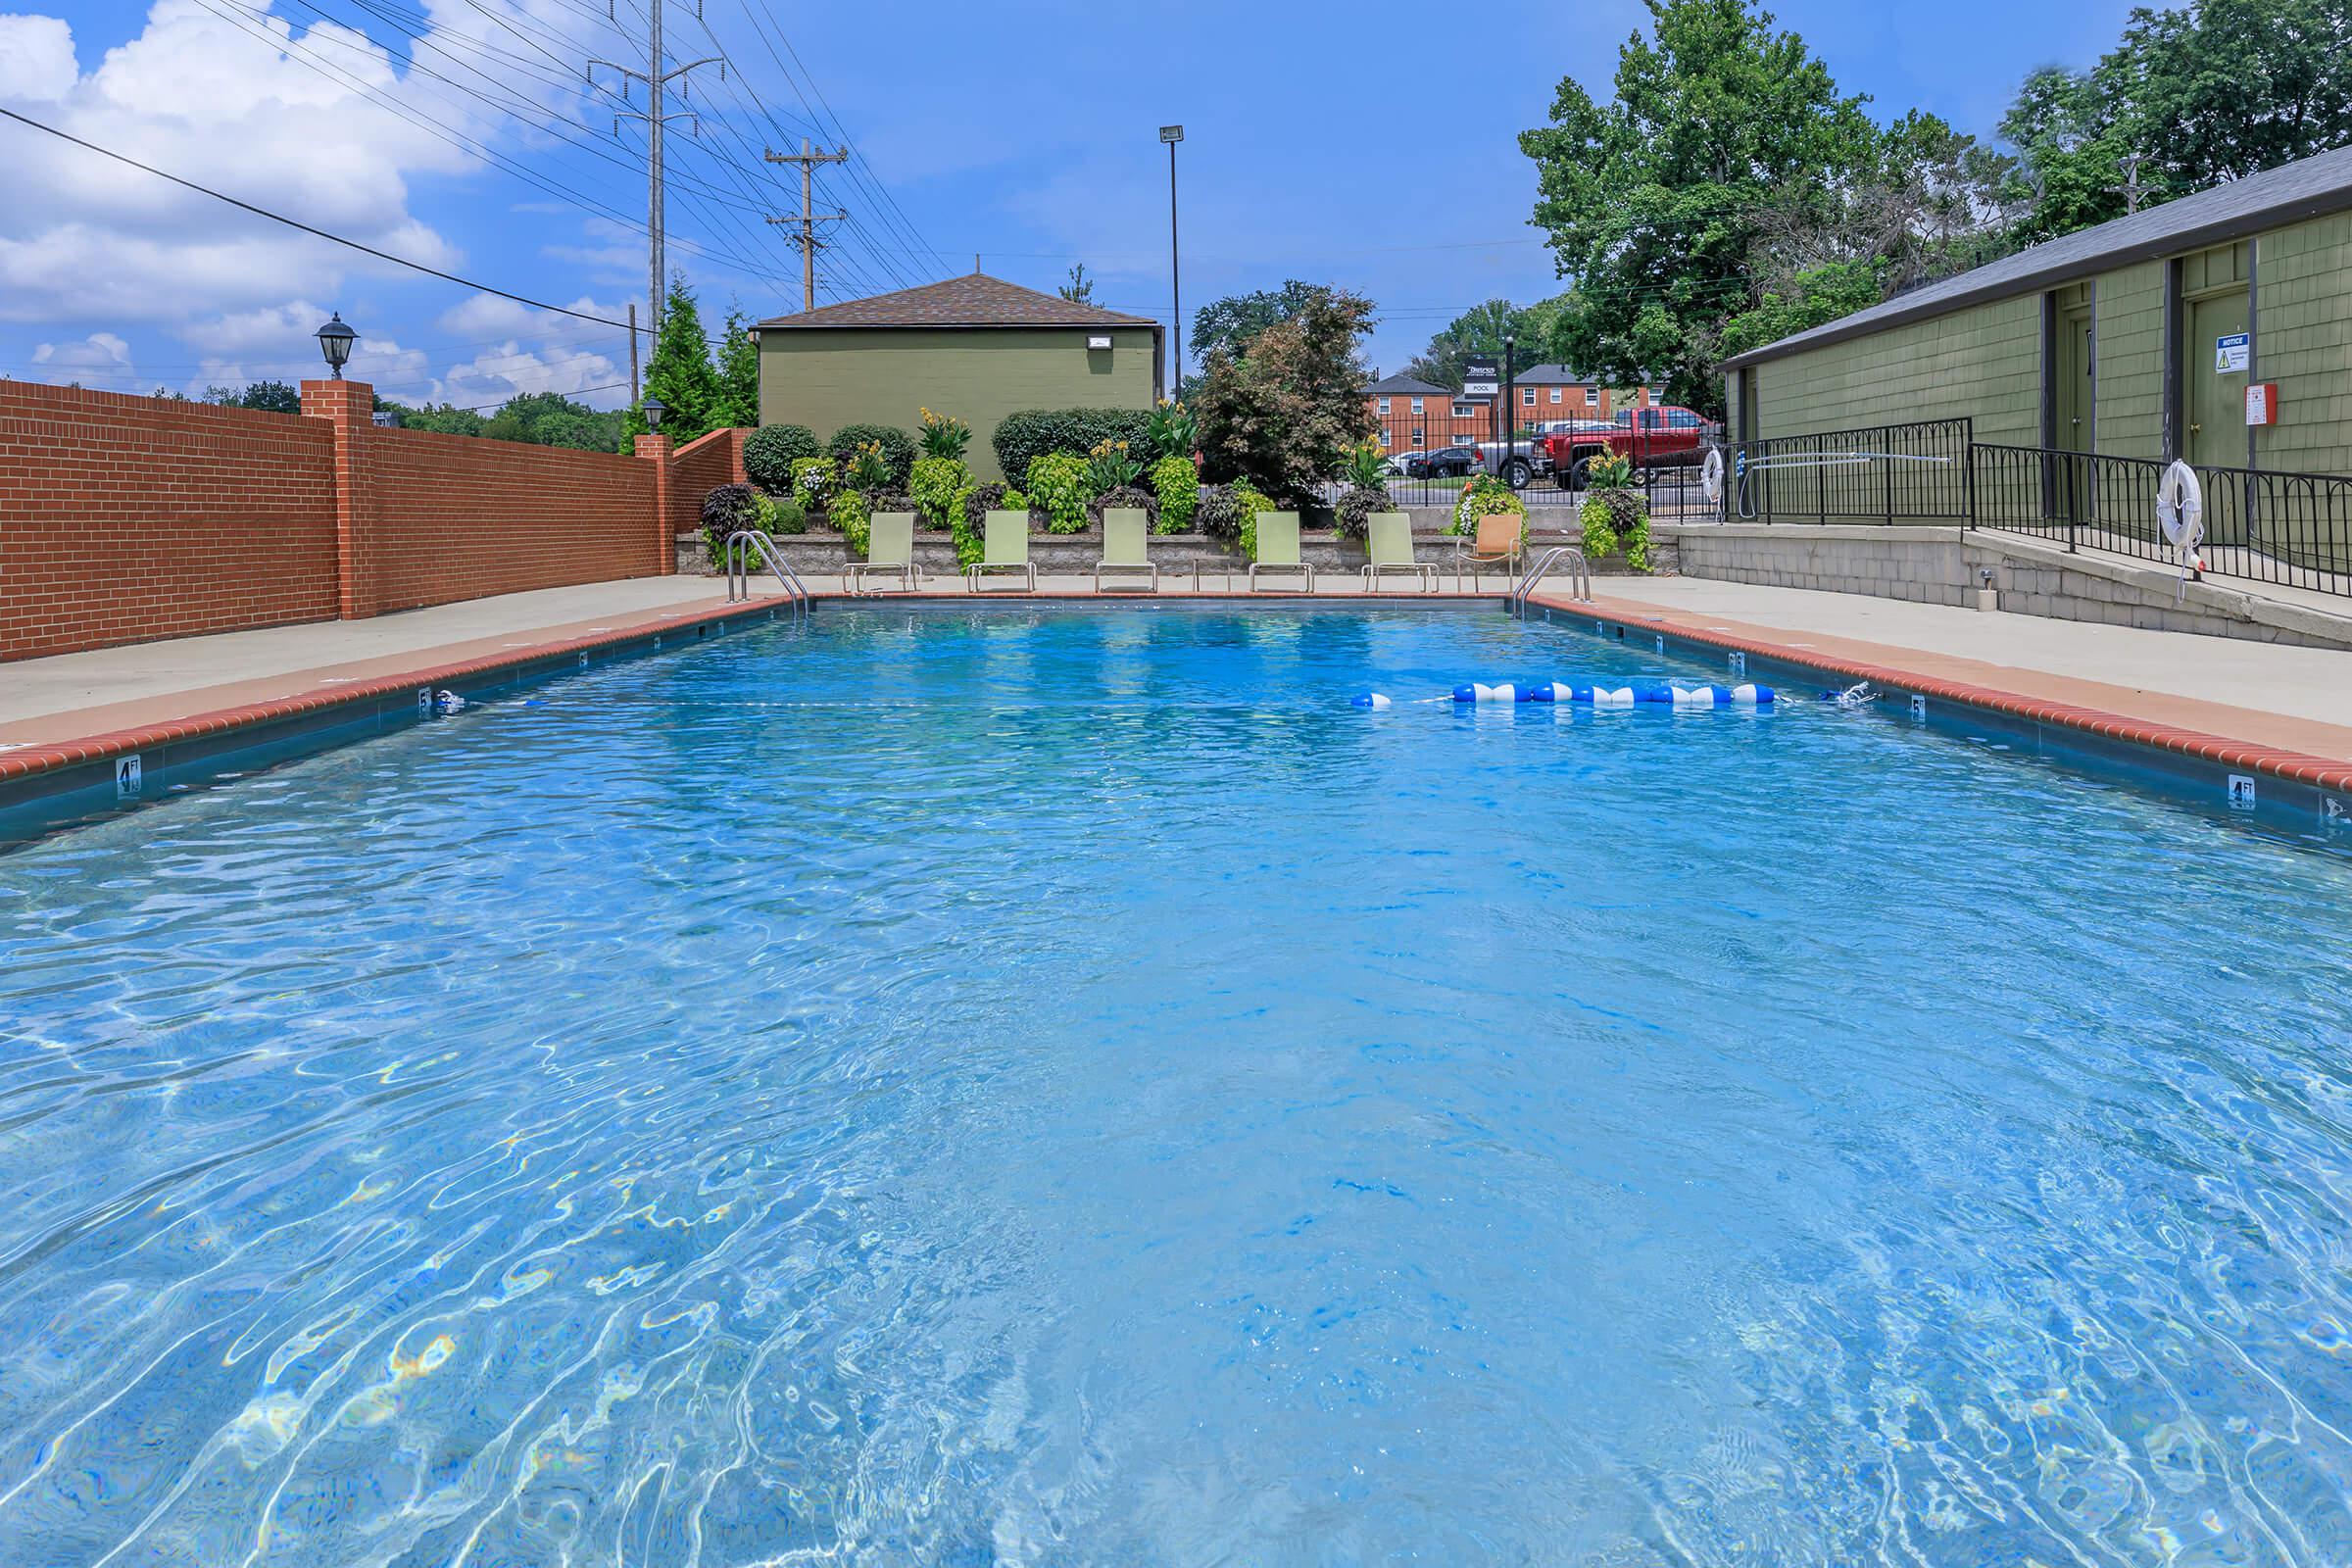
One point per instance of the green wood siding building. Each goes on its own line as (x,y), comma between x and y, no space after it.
(2119,340)
(975,347)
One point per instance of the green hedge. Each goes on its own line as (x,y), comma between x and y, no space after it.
(898,449)
(1027,434)
(769,453)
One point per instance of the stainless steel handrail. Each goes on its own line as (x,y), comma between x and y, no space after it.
(739,570)
(1579,582)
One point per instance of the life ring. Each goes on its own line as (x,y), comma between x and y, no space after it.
(1710,475)
(2180,513)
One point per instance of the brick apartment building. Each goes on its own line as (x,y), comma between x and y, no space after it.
(1416,416)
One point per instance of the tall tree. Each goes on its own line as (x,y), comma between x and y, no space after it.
(738,405)
(552,420)
(1080,289)
(1481,329)
(1231,322)
(679,372)
(1650,200)
(2193,97)
(1284,414)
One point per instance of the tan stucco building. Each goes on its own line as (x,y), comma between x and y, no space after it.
(975,347)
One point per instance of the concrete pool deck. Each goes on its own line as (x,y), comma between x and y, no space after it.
(2286,710)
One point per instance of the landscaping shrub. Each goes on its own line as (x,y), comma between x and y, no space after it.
(1229,513)
(1110,467)
(769,453)
(1057,482)
(1350,519)
(898,449)
(1482,497)
(1125,496)
(938,486)
(1027,434)
(1617,519)
(853,516)
(1178,484)
(728,509)
(784,513)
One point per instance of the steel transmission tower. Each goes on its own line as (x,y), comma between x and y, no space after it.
(657,76)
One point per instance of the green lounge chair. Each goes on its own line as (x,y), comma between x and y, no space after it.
(1390,537)
(1126,547)
(1278,548)
(1005,547)
(889,551)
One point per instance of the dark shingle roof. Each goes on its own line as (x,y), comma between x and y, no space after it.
(1554,376)
(973,300)
(1408,386)
(2306,188)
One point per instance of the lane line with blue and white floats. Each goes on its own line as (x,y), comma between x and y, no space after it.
(1637,694)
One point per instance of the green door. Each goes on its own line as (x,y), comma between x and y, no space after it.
(2215,368)
(2074,407)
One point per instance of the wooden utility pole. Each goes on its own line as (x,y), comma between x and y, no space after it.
(632,356)
(809,216)
(2132,190)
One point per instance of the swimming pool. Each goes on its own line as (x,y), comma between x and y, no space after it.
(941,1085)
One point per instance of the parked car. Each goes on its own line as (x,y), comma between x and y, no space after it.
(1649,438)
(1528,456)
(1403,462)
(1446,463)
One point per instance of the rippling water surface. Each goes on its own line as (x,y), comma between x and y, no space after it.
(944,1087)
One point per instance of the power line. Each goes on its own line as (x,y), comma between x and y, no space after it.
(308,229)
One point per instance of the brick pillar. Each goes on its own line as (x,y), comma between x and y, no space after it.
(656,450)
(350,406)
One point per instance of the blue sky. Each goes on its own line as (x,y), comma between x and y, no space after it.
(1368,145)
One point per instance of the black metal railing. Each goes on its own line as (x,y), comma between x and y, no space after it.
(2294,530)
(1914,472)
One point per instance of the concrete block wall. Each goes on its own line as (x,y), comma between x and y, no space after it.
(130,518)
(1944,566)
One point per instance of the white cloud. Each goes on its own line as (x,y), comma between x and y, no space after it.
(36,58)
(101,360)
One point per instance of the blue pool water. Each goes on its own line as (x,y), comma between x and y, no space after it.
(1060,1088)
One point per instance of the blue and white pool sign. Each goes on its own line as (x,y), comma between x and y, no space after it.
(2233,353)
(2242,792)
(129,779)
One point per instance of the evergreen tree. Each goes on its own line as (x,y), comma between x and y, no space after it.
(680,372)
(738,375)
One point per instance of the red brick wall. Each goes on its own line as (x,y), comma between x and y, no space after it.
(462,517)
(126,518)
(699,468)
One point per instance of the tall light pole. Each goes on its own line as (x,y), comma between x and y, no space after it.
(1172,134)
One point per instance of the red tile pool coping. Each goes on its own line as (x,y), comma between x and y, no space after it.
(2303,767)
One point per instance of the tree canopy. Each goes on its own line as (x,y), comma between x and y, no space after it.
(1284,412)
(1481,329)
(680,373)
(1232,322)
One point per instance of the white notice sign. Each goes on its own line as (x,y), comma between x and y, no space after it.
(2233,354)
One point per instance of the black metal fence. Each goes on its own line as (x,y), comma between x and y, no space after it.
(2289,529)
(1915,473)
(1542,454)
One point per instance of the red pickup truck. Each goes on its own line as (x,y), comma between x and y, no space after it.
(1652,438)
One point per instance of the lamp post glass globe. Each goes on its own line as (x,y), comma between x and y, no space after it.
(654,408)
(335,341)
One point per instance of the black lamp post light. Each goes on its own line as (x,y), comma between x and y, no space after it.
(335,341)
(654,408)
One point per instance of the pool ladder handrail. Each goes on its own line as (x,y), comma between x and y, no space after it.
(739,569)
(1580,582)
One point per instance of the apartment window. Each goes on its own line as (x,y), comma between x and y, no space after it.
(1384,407)
(1555,394)
(1465,410)
(1527,397)
(1416,404)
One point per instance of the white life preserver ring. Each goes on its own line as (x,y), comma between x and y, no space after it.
(2180,513)
(1710,475)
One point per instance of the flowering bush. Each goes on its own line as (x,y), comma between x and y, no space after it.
(1058,483)
(1110,467)
(944,436)
(1617,519)
(1178,484)
(813,480)
(1367,467)
(1172,432)
(898,448)
(869,471)
(1484,496)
